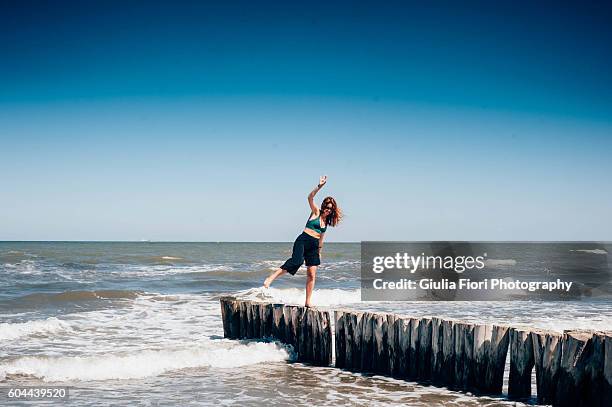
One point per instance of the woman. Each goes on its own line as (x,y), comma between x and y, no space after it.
(309,244)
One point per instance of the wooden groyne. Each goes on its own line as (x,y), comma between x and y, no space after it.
(571,369)
(307,330)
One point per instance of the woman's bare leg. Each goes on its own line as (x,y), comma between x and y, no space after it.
(279,272)
(311,273)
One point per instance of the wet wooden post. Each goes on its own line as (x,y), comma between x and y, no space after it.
(380,361)
(413,349)
(267,319)
(594,372)
(255,316)
(315,334)
(315,338)
(287,333)
(324,355)
(468,374)
(521,363)
(424,355)
(244,323)
(391,341)
(367,342)
(340,338)
(437,343)
(572,372)
(458,355)
(354,331)
(251,320)
(607,368)
(305,339)
(402,349)
(547,359)
(448,355)
(500,340)
(230,314)
(295,326)
(482,345)
(278,327)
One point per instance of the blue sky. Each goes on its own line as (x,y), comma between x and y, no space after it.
(193,121)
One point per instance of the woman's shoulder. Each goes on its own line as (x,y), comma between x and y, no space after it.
(313,215)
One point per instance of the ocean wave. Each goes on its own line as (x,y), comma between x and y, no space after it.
(593,251)
(26,267)
(75,296)
(144,363)
(9,331)
(322,297)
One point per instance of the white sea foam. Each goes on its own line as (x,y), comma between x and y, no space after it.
(593,251)
(26,267)
(321,297)
(159,270)
(139,364)
(500,262)
(9,331)
(171,258)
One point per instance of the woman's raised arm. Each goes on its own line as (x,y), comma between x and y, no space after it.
(311,195)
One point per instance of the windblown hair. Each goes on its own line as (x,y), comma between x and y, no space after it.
(336,215)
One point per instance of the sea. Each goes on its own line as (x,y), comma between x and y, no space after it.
(138,323)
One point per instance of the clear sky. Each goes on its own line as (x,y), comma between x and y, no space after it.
(194,121)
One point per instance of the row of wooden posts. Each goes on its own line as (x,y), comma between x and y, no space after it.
(572,369)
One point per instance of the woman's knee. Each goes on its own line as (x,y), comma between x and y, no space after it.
(311,272)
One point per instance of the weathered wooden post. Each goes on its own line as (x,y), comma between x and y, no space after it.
(380,361)
(413,349)
(469,376)
(458,355)
(325,339)
(594,372)
(340,338)
(607,369)
(288,338)
(315,333)
(278,326)
(447,365)
(295,326)
(244,321)
(391,343)
(354,333)
(367,342)
(424,356)
(521,363)
(250,320)
(230,314)
(572,373)
(315,338)
(267,319)
(437,343)
(402,349)
(500,339)
(255,317)
(547,359)
(482,344)
(305,339)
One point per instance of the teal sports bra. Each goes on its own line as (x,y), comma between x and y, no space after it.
(315,224)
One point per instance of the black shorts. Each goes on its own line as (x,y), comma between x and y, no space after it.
(305,248)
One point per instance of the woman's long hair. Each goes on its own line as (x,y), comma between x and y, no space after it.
(336,214)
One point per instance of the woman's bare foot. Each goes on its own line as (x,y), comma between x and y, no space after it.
(272,277)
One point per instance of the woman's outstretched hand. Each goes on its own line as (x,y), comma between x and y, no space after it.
(322,180)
